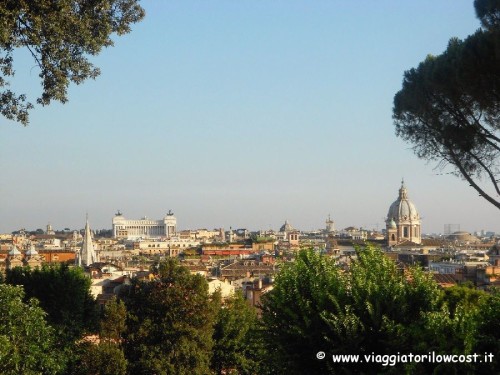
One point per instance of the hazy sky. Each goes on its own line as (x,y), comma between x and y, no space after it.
(240,113)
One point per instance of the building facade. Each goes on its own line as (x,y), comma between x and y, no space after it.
(144,228)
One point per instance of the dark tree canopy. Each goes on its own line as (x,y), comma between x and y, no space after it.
(449,106)
(170,322)
(105,357)
(64,294)
(60,35)
(236,341)
(488,11)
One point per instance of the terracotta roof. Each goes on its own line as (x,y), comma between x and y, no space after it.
(444,278)
(249,265)
(408,244)
(44,236)
(433,242)
(120,280)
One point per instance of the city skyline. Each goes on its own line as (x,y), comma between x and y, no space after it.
(241,114)
(377,226)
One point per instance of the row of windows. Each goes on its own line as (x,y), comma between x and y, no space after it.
(406,231)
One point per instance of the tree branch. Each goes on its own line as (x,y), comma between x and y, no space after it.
(26,44)
(490,174)
(462,118)
(472,183)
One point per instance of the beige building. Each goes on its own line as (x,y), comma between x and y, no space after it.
(171,246)
(224,287)
(203,235)
(14,258)
(403,220)
(32,258)
(288,234)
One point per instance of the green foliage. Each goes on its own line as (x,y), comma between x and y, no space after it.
(292,312)
(237,348)
(170,322)
(372,308)
(262,239)
(467,323)
(488,11)
(113,322)
(487,332)
(26,340)
(106,356)
(388,304)
(64,293)
(448,108)
(463,295)
(97,359)
(60,36)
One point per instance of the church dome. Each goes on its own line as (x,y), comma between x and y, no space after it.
(462,237)
(286,227)
(403,209)
(392,224)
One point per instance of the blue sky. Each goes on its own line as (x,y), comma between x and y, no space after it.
(243,114)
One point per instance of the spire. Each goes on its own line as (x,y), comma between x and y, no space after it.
(32,251)
(87,254)
(14,251)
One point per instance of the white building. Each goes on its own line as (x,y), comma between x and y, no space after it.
(446,268)
(224,287)
(144,228)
